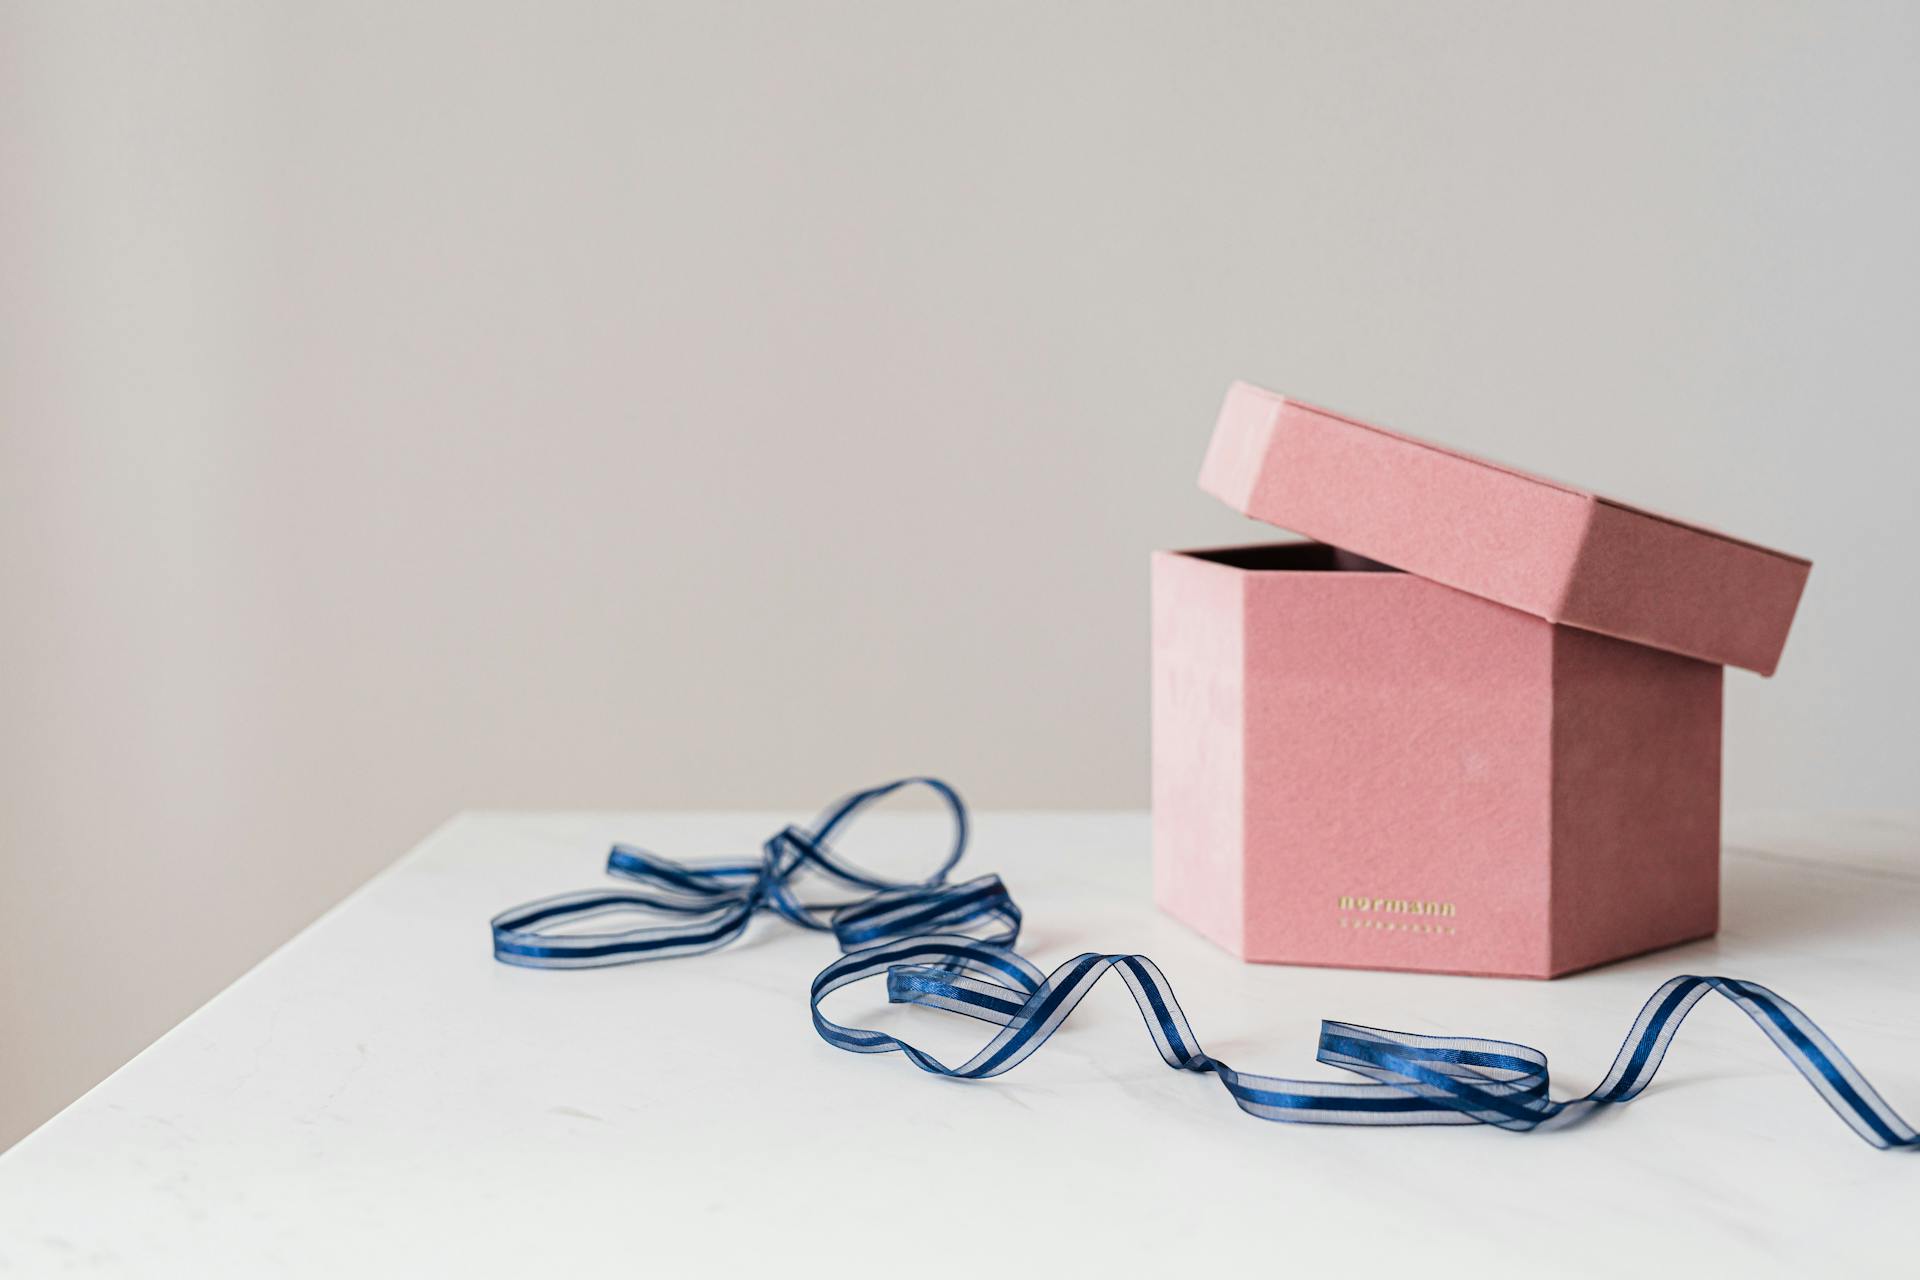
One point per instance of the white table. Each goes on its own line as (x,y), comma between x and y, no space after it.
(381,1097)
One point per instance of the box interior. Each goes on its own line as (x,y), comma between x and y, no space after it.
(1291,557)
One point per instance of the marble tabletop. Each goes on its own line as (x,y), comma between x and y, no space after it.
(380,1097)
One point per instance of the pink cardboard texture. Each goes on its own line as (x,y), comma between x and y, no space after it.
(1363,767)
(1543,547)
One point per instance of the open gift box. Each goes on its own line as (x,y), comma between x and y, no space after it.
(1473,728)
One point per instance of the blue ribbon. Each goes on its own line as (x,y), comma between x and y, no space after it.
(951,947)
(709,905)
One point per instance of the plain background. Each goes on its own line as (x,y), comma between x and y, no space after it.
(416,407)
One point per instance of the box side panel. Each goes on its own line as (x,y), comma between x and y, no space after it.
(1237,450)
(1636,799)
(1639,577)
(1198,761)
(1398,750)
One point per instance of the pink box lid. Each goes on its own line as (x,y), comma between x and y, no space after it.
(1546,548)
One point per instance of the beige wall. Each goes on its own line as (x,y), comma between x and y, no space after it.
(410,407)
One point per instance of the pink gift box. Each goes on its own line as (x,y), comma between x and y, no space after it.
(1500,755)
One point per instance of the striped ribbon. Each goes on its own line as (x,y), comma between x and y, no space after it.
(951,947)
(709,905)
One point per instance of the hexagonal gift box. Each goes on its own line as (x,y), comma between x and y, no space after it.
(1499,756)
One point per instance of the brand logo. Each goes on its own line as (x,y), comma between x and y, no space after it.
(1359,911)
(1397,906)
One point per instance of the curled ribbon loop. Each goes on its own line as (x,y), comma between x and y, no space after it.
(950,947)
(708,905)
(1412,1079)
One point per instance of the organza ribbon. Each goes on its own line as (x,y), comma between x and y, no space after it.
(709,905)
(951,947)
